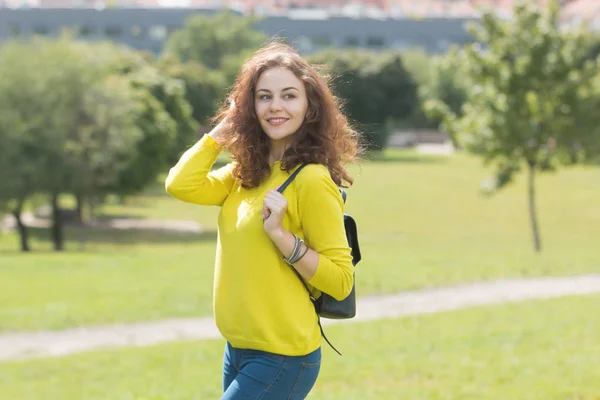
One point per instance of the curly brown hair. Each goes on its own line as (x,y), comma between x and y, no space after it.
(325,136)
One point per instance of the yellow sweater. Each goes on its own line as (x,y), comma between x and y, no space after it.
(259,302)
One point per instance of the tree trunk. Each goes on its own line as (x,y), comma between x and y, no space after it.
(57,233)
(23,233)
(79,208)
(93,200)
(92,208)
(532,211)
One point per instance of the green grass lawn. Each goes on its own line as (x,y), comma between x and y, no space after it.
(422,223)
(538,350)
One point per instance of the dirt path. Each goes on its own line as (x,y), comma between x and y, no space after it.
(51,344)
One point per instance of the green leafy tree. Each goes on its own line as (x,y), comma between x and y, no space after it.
(32,123)
(171,95)
(532,98)
(162,115)
(19,156)
(159,131)
(65,125)
(446,84)
(213,40)
(437,77)
(90,121)
(204,88)
(108,137)
(375,88)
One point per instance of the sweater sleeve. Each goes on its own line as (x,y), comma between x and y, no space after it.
(191,179)
(321,212)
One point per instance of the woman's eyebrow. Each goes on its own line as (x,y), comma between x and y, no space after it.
(283,90)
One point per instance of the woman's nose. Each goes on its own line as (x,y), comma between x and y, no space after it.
(276,104)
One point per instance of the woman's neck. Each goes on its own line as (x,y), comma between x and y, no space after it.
(277,151)
(273,159)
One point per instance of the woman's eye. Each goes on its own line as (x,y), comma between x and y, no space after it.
(287,96)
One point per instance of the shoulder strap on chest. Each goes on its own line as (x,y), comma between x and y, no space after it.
(291,178)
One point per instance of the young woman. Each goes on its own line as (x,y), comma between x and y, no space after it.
(282,114)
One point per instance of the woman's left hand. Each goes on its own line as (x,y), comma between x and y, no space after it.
(274,208)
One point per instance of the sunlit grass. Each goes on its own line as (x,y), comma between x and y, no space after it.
(538,350)
(422,222)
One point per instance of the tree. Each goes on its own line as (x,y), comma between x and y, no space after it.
(212,40)
(107,139)
(204,88)
(15,177)
(375,88)
(532,98)
(159,135)
(65,125)
(443,82)
(206,55)
(437,77)
(595,47)
(161,114)
(85,119)
(22,131)
(71,145)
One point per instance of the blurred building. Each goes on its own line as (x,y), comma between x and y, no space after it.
(310,24)
(404,8)
(582,9)
(578,11)
(148,28)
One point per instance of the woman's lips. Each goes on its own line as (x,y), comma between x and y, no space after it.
(277,121)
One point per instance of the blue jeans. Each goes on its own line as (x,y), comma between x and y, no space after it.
(257,375)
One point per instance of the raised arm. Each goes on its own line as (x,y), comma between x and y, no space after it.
(191,179)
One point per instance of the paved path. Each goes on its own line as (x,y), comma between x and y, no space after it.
(50,344)
(9,223)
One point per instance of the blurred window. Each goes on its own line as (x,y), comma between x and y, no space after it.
(351,41)
(401,44)
(321,41)
(113,31)
(138,31)
(41,30)
(15,30)
(304,44)
(443,44)
(158,32)
(376,42)
(86,30)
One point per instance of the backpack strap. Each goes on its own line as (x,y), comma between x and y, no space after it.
(316,305)
(343,193)
(312,299)
(291,178)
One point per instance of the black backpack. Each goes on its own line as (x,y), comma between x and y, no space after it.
(326,306)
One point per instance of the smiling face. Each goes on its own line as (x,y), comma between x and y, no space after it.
(280,103)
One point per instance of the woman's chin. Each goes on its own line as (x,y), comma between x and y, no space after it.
(278,136)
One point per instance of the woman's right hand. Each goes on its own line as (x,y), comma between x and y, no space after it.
(217,131)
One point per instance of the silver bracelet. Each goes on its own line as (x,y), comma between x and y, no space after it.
(297,247)
(300,256)
(294,256)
